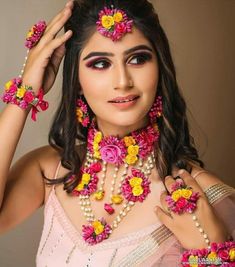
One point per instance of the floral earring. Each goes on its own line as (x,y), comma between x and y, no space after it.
(82,112)
(156,109)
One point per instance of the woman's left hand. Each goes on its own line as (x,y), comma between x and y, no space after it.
(182,225)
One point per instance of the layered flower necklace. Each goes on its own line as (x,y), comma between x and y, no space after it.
(135,151)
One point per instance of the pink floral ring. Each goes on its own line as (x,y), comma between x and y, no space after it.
(182,198)
(35,34)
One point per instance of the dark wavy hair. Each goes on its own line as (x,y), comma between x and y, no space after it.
(175,147)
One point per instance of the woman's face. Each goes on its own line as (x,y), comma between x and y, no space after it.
(119,80)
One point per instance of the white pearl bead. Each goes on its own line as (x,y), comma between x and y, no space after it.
(197,224)
(113,182)
(194,218)
(200,230)
(103,176)
(205,236)
(128,208)
(124,213)
(207,241)
(82,208)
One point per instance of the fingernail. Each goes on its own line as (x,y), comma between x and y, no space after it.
(181,171)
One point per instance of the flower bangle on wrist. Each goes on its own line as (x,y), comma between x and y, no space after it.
(24,97)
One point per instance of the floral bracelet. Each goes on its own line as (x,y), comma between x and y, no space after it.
(24,97)
(219,254)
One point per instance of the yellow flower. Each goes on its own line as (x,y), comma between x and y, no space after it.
(129,140)
(86,177)
(20,92)
(176,195)
(8,85)
(193,261)
(117,17)
(135,181)
(30,33)
(97,154)
(155,127)
(98,137)
(79,112)
(133,150)
(137,190)
(96,146)
(232,254)
(117,199)
(98,227)
(80,186)
(212,256)
(99,195)
(107,21)
(186,193)
(131,159)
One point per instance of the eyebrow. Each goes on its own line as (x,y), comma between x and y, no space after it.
(128,51)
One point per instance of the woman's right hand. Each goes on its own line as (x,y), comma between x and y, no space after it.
(44,59)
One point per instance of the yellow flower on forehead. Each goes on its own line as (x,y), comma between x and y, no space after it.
(98,137)
(133,150)
(8,85)
(107,21)
(98,227)
(129,140)
(232,254)
(186,193)
(137,190)
(117,17)
(131,159)
(176,195)
(86,177)
(135,181)
(193,261)
(20,92)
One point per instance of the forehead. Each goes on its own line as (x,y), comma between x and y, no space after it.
(98,42)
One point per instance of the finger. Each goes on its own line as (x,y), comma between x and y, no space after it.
(59,15)
(169,182)
(189,180)
(57,57)
(163,217)
(163,201)
(55,28)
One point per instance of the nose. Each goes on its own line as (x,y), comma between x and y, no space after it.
(122,78)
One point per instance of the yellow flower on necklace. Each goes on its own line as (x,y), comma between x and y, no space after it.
(80,186)
(212,256)
(99,195)
(8,85)
(117,199)
(131,159)
(96,146)
(232,254)
(135,181)
(97,154)
(176,195)
(20,92)
(98,227)
(137,190)
(193,261)
(186,193)
(107,21)
(117,17)
(129,140)
(98,137)
(133,150)
(86,177)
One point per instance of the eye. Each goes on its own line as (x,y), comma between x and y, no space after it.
(99,64)
(140,58)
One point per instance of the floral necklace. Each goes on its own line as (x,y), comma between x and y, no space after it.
(136,151)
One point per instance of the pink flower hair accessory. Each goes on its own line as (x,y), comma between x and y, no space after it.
(35,34)
(113,23)
(182,198)
(82,113)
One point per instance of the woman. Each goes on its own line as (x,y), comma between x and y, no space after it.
(119,147)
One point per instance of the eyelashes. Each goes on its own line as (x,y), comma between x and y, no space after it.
(104,63)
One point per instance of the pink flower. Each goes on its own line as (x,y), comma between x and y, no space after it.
(96,167)
(110,154)
(223,254)
(12,89)
(109,208)
(181,203)
(29,96)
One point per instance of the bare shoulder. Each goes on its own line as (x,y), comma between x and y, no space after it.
(205,178)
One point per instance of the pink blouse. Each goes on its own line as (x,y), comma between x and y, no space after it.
(62,245)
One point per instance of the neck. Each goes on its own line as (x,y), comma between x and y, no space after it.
(118,130)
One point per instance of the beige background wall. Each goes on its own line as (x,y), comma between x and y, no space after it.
(201,35)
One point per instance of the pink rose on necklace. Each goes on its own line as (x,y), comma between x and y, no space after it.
(111,154)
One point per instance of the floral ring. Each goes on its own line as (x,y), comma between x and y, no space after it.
(182,198)
(35,34)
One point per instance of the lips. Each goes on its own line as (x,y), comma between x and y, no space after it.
(124,99)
